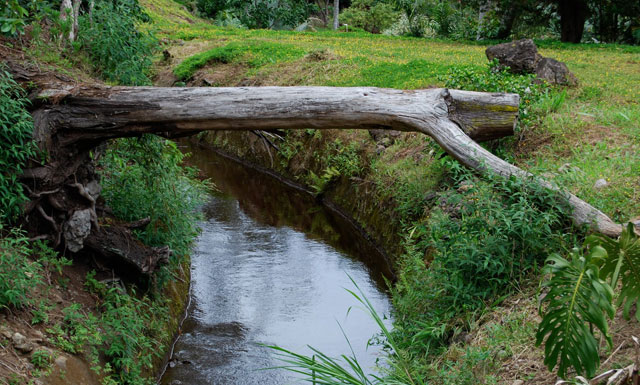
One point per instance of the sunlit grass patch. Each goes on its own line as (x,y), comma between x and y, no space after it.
(254,54)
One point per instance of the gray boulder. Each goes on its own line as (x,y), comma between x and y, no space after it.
(77,229)
(555,72)
(522,57)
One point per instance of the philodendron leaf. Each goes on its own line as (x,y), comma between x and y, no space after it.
(622,264)
(577,298)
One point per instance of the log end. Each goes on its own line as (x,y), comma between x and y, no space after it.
(484,116)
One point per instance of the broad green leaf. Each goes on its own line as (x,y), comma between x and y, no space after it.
(622,264)
(577,299)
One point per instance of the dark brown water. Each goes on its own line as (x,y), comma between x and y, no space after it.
(271,267)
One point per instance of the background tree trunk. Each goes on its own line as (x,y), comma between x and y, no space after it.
(76,19)
(336,14)
(67,16)
(573,14)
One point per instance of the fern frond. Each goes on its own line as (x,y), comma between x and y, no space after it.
(577,298)
(622,263)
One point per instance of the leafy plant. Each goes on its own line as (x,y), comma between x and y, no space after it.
(77,331)
(18,275)
(622,264)
(16,146)
(580,297)
(117,49)
(130,335)
(40,312)
(320,183)
(372,16)
(144,177)
(344,157)
(577,299)
(41,359)
(12,17)
(51,261)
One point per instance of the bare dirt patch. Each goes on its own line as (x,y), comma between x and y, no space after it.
(219,75)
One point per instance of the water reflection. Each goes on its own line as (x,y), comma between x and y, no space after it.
(262,273)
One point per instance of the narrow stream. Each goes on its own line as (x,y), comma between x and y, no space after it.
(271,267)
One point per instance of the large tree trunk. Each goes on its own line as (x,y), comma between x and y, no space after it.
(77,120)
(573,14)
(336,14)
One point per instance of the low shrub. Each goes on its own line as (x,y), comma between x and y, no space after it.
(482,239)
(144,177)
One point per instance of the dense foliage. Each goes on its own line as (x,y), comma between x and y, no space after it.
(484,238)
(117,49)
(12,17)
(259,13)
(18,275)
(372,16)
(16,146)
(144,177)
(567,20)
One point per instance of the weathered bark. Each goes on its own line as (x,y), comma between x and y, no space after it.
(85,116)
(93,114)
(117,245)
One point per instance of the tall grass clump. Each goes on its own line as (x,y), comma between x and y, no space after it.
(144,177)
(16,145)
(18,275)
(118,50)
(482,239)
(322,369)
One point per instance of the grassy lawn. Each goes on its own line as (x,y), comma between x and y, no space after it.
(596,130)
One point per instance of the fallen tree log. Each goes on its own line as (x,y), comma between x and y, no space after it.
(70,123)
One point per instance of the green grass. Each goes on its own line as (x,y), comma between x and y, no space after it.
(254,54)
(604,107)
